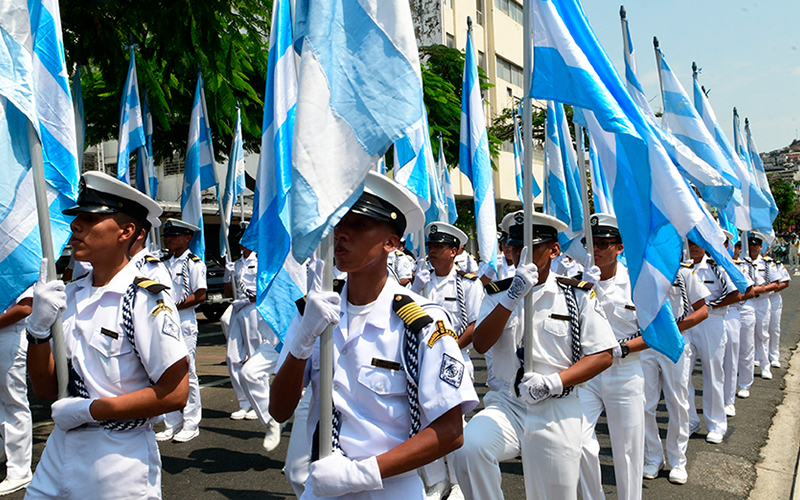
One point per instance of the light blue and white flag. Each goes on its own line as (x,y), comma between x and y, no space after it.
(519,162)
(35,90)
(359,93)
(654,206)
(80,119)
(205,146)
(281,279)
(438,209)
(197,153)
(759,174)
(234,184)
(601,192)
(447,186)
(473,158)
(711,184)
(381,168)
(145,165)
(413,159)
(131,126)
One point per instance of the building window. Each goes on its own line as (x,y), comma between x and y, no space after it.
(509,72)
(479,12)
(451,41)
(511,8)
(482,61)
(449,3)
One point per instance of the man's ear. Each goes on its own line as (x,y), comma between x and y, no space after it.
(555,250)
(391,242)
(620,248)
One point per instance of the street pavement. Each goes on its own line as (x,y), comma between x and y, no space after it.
(227,461)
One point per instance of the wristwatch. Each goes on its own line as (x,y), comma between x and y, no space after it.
(625,349)
(35,340)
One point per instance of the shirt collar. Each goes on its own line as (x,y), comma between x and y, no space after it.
(118,284)
(379,316)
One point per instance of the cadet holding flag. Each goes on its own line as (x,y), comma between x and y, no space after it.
(111,314)
(399,384)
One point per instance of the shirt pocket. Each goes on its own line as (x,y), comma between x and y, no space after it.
(112,354)
(388,389)
(556,327)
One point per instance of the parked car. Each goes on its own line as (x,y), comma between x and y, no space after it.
(216,302)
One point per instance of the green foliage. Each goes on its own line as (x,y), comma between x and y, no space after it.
(225,39)
(785,196)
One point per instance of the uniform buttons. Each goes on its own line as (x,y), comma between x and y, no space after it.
(344,351)
(335,387)
(381,387)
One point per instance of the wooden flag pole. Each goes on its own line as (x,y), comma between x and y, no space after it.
(43,211)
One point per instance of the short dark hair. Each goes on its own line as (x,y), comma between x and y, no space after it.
(123,218)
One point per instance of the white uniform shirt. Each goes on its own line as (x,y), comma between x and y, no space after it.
(695,291)
(196,280)
(745,267)
(466,262)
(785,276)
(614,295)
(401,265)
(503,354)
(246,271)
(96,343)
(566,266)
(151,267)
(372,400)
(79,268)
(773,274)
(442,291)
(716,288)
(505,269)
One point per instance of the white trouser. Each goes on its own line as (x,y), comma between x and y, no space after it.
(708,343)
(762,308)
(551,448)
(733,331)
(16,429)
(298,456)
(490,437)
(406,486)
(190,417)
(255,375)
(244,339)
(776,310)
(619,391)
(96,463)
(661,373)
(747,317)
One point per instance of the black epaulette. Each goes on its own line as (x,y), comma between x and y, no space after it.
(690,265)
(498,286)
(578,276)
(711,262)
(195,257)
(166,257)
(469,276)
(76,279)
(338,286)
(581,285)
(149,285)
(411,313)
(151,260)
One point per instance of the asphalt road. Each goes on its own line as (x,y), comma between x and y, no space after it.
(227,462)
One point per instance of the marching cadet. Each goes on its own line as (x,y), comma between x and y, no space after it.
(400,264)
(189,290)
(776,311)
(687,301)
(536,414)
(620,389)
(466,262)
(16,429)
(707,341)
(747,320)
(149,266)
(767,276)
(460,294)
(399,384)
(127,361)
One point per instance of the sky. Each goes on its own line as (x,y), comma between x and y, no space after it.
(748,52)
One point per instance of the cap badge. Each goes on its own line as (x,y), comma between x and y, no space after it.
(519,218)
(393,215)
(594,220)
(433,229)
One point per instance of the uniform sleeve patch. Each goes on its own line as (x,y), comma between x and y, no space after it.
(160,307)
(171,328)
(592,294)
(441,331)
(452,371)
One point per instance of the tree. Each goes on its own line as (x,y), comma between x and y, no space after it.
(225,39)
(785,198)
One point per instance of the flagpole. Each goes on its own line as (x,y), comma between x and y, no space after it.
(326,358)
(658,67)
(527,170)
(145,175)
(43,211)
(208,124)
(587,225)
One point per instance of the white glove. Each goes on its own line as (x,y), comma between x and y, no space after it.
(49,301)
(422,276)
(240,303)
(592,275)
(484,269)
(536,387)
(337,475)
(229,270)
(322,309)
(525,277)
(71,412)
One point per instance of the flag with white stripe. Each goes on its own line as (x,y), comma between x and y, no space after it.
(197,153)
(519,161)
(473,158)
(80,119)
(145,165)
(447,186)
(131,126)
(35,90)
(234,183)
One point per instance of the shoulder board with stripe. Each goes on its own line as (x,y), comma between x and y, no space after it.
(411,313)
(195,257)
(166,257)
(690,265)
(338,285)
(468,276)
(768,258)
(578,276)
(498,286)
(582,285)
(149,285)
(711,262)
(737,261)
(151,260)
(78,278)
